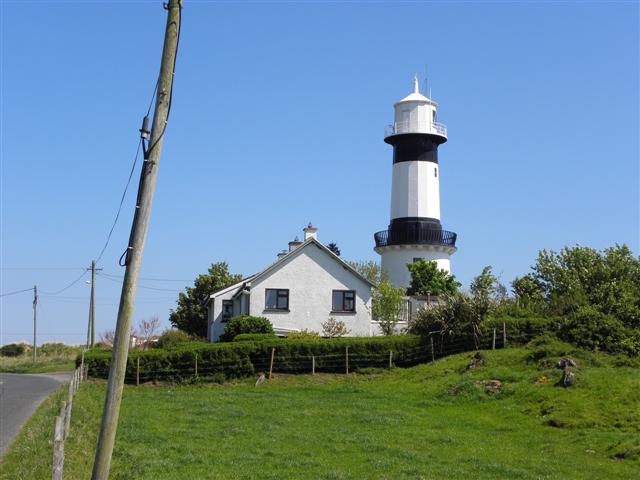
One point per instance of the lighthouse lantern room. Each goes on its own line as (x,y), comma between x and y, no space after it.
(415,230)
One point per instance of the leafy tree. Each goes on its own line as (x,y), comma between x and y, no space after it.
(607,280)
(368,269)
(190,315)
(171,338)
(333,246)
(245,324)
(529,293)
(386,306)
(427,278)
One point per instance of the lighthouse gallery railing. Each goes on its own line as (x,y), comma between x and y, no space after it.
(415,127)
(417,236)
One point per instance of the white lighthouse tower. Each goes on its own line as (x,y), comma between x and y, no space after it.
(415,230)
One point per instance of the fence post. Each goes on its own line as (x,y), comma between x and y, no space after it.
(346,360)
(67,419)
(313,365)
(58,448)
(196,360)
(390,359)
(493,345)
(504,335)
(433,355)
(273,354)
(82,366)
(138,371)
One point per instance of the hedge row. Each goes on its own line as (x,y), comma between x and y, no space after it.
(242,359)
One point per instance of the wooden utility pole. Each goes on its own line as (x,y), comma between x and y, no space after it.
(35,306)
(135,249)
(91,328)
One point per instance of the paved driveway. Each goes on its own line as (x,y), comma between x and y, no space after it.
(20,395)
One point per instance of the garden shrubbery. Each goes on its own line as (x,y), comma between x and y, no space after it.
(12,350)
(246,358)
(255,337)
(245,324)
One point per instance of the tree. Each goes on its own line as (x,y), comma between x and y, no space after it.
(107,337)
(607,280)
(368,269)
(428,279)
(529,293)
(333,328)
(333,246)
(386,306)
(147,329)
(190,315)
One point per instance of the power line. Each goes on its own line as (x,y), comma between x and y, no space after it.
(126,187)
(150,278)
(141,286)
(17,291)
(41,268)
(67,287)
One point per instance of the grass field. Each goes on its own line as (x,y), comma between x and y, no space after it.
(433,422)
(51,357)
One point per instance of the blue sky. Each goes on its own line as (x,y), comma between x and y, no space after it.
(277,120)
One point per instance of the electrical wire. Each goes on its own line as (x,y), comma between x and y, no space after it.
(141,286)
(16,292)
(67,287)
(149,278)
(126,187)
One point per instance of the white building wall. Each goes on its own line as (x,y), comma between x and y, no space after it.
(415,190)
(216,325)
(414,116)
(394,260)
(311,276)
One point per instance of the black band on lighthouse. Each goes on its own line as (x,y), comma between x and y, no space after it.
(414,147)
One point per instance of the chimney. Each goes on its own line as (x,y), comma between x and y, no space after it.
(282,254)
(295,243)
(310,232)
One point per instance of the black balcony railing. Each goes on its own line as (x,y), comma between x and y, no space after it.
(415,236)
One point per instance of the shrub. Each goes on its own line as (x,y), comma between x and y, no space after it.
(303,335)
(333,328)
(254,337)
(245,324)
(12,350)
(172,338)
(242,359)
(589,328)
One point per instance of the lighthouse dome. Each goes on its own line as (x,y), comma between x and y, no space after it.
(416,113)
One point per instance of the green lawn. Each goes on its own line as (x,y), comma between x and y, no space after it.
(24,364)
(432,421)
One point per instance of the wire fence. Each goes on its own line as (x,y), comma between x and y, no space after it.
(190,366)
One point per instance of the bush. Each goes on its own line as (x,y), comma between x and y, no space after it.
(254,337)
(172,338)
(246,358)
(245,324)
(588,328)
(303,335)
(12,350)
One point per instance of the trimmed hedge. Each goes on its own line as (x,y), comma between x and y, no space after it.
(242,359)
(255,337)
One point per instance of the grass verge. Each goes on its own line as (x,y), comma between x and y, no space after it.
(432,421)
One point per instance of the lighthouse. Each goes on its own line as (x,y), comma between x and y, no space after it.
(415,231)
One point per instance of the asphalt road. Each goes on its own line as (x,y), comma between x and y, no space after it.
(20,395)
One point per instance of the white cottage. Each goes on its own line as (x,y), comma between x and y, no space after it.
(301,290)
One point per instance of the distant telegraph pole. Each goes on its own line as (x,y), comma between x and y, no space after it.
(91,327)
(133,255)
(35,305)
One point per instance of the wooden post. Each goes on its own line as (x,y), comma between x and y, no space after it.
(313,365)
(35,305)
(346,359)
(504,335)
(58,449)
(493,345)
(390,359)
(196,360)
(67,419)
(82,366)
(273,354)
(135,248)
(433,354)
(138,371)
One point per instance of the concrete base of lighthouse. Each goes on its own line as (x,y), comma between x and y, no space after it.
(394,259)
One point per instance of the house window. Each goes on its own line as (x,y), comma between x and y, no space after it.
(227,310)
(435,172)
(343,301)
(276,299)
